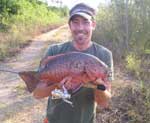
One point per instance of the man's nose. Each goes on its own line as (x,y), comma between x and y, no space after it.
(80,26)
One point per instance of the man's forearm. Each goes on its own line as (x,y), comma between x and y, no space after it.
(102,97)
(42,90)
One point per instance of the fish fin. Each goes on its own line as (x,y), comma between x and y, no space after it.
(30,78)
(45,60)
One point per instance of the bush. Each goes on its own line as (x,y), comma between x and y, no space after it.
(130,104)
(133,64)
(19,20)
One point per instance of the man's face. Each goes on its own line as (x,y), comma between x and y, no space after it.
(81,29)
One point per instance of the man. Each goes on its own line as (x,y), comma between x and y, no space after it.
(81,23)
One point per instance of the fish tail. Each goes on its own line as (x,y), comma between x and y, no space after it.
(30,78)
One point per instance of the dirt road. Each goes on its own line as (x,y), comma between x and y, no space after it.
(16,104)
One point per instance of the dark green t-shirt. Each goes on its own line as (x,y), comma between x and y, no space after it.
(83,110)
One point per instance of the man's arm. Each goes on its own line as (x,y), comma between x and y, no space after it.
(43,90)
(102,97)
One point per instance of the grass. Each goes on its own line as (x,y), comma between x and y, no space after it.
(20,89)
(61,35)
(2,105)
(12,42)
(130,104)
(27,110)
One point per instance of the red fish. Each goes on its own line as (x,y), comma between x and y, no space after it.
(81,67)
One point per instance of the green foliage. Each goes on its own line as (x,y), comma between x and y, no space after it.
(19,19)
(104,19)
(130,104)
(3,51)
(120,16)
(63,11)
(34,13)
(133,64)
(9,7)
(28,12)
(138,107)
(124,27)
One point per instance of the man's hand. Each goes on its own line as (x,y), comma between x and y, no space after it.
(66,82)
(102,97)
(106,84)
(69,84)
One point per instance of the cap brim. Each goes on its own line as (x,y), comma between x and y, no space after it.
(84,15)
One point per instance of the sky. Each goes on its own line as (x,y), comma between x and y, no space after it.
(70,3)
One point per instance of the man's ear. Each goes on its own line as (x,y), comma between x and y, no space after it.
(69,25)
(94,24)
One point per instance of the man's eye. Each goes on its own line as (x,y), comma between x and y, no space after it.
(86,22)
(75,21)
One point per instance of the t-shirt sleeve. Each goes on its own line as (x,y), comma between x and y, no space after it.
(109,61)
(106,56)
(49,52)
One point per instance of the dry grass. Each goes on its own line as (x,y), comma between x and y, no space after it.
(16,38)
(33,112)
(130,104)
(62,35)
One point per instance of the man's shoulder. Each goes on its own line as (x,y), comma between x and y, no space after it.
(59,45)
(58,48)
(101,48)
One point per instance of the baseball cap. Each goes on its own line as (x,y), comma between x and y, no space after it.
(83,10)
